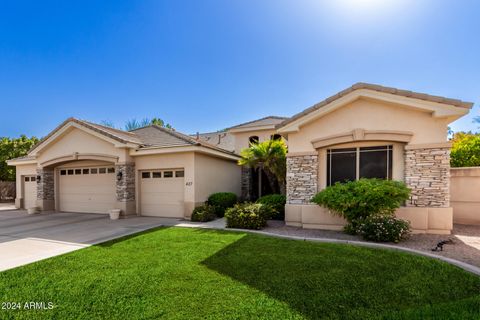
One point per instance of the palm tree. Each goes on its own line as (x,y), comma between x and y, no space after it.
(269,156)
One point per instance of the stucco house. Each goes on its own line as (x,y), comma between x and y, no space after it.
(364,131)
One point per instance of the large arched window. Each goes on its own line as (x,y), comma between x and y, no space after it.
(253,139)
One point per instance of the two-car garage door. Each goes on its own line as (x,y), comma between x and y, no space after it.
(162,193)
(89,189)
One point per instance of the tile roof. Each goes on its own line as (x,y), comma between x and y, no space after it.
(221,139)
(266,121)
(375,87)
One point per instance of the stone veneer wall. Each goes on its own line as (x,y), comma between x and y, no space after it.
(246,183)
(45,184)
(302,178)
(427,174)
(126,185)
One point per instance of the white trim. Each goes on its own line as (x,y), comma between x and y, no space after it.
(253,128)
(182,149)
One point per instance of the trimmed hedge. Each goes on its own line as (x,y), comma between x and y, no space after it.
(222,201)
(249,215)
(277,202)
(358,200)
(203,213)
(384,229)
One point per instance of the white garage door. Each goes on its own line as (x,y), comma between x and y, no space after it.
(30,192)
(162,193)
(89,189)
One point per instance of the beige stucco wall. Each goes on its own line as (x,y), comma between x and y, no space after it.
(422,219)
(22,170)
(465,195)
(215,175)
(76,140)
(242,138)
(370,115)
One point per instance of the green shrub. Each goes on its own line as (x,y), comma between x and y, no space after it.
(277,202)
(465,150)
(384,229)
(222,201)
(249,215)
(358,200)
(203,213)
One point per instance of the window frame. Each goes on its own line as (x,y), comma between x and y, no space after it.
(389,148)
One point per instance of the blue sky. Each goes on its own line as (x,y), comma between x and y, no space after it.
(206,65)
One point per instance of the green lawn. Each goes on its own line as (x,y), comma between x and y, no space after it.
(176,273)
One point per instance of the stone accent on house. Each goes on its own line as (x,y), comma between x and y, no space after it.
(247,183)
(427,174)
(302,178)
(45,184)
(126,184)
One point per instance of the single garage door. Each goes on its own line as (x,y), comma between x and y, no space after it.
(30,192)
(88,190)
(162,193)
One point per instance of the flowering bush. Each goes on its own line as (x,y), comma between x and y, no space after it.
(249,215)
(383,229)
(203,213)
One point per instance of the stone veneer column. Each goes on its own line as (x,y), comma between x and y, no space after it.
(246,183)
(45,189)
(302,178)
(427,174)
(125,188)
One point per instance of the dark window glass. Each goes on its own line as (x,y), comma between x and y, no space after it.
(111,170)
(78,171)
(253,139)
(86,171)
(168,174)
(63,172)
(70,172)
(93,170)
(341,165)
(179,174)
(102,170)
(145,175)
(376,162)
(27,179)
(156,174)
(276,137)
(32,179)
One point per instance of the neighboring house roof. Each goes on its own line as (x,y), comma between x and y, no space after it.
(270,121)
(375,87)
(220,139)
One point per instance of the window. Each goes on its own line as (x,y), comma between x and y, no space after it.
(102,170)
(78,171)
(32,179)
(111,170)
(27,179)
(156,174)
(63,172)
(253,139)
(85,171)
(70,172)
(168,174)
(355,163)
(145,175)
(93,171)
(179,174)
(276,137)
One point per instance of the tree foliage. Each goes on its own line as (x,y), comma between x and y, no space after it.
(270,156)
(13,148)
(465,150)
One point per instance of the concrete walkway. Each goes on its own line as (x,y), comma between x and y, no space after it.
(28,238)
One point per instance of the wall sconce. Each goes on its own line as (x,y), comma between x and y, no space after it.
(39,178)
(119,175)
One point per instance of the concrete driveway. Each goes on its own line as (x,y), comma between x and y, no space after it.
(28,238)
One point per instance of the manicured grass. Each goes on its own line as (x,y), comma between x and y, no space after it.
(176,273)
